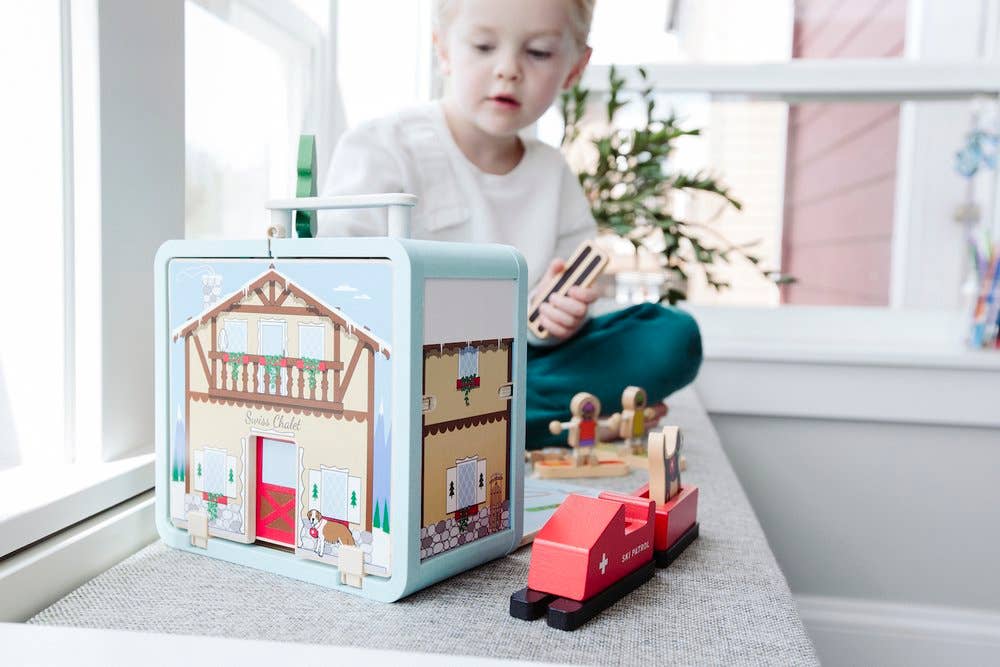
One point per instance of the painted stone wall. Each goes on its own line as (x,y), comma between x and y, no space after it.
(451,533)
(442,450)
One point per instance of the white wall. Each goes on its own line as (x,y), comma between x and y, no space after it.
(868,443)
(872,460)
(884,512)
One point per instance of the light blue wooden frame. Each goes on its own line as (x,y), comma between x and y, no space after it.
(413,262)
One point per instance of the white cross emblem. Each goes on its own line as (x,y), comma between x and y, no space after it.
(604,562)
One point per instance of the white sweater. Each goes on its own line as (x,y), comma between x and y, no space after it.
(537,207)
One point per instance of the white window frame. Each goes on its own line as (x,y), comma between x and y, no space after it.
(931,70)
(124,192)
(113,229)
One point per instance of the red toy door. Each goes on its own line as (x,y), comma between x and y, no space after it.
(276,491)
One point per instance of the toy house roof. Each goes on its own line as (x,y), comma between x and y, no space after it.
(289,288)
(580,521)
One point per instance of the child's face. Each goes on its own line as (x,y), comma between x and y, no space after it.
(508,60)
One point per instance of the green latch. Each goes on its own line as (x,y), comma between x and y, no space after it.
(305,184)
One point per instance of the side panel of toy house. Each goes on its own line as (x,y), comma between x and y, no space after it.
(466,420)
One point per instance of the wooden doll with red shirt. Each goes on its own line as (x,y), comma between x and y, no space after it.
(583,426)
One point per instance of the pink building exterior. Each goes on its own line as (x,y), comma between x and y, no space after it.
(841,163)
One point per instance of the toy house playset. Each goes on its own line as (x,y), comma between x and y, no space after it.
(348,412)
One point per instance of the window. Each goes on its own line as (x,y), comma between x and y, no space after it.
(76,387)
(212,474)
(255,79)
(466,484)
(272,340)
(468,371)
(384,57)
(76,372)
(468,362)
(311,341)
(336,494)
(842,150)
(37,323)
(334,504)
(233,335)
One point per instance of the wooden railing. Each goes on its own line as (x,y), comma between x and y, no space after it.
(289,381)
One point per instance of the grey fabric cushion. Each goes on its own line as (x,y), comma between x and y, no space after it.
(724,601)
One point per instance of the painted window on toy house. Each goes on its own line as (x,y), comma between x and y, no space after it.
(272,345)
(465,484)
(215,472)
(468,370)
(468,362)
(233,336)
(335,493)
(311,341)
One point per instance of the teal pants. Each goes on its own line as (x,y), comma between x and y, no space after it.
(649,346)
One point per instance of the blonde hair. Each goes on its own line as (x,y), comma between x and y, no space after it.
(581,14)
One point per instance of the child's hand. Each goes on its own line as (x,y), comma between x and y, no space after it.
(562,315)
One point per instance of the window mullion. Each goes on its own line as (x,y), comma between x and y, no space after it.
(128,117)
(86,342)
(69,237)
(928,191)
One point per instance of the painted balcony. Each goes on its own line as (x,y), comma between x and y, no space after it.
(311,384)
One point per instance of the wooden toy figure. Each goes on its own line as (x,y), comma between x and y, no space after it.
(664,464)
(583,427)
(632,425)
(676,503)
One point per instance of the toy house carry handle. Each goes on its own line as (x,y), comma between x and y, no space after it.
(398,205)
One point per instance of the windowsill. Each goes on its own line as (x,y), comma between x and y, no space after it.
(858,364)
(38,575)
(840,335)
(31,511)
(903,355)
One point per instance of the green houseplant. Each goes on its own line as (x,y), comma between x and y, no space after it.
(630,187)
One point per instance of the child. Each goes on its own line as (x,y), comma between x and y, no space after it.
(478,180)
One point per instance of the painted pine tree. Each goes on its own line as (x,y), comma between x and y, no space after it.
(376,521)
(180,449)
